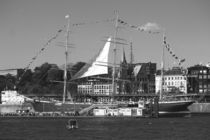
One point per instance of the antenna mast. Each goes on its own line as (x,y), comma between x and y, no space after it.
(66,58)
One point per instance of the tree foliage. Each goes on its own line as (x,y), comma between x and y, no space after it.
(43,80)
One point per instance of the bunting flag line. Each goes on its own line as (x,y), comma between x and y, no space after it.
(148,27)
(41,50)
(171,52)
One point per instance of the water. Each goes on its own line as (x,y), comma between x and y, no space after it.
(17,128)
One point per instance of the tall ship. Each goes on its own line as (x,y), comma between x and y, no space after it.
(97,72)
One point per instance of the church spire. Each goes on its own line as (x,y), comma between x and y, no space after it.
(123,60)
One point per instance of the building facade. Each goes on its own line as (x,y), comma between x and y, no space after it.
(93,87)
(144,78)
(198,79)
(174,81)
(130,79)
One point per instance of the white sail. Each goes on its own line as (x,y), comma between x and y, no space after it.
(98,66)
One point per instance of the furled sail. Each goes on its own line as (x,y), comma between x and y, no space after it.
(98,66)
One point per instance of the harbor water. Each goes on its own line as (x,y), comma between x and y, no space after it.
(109,128)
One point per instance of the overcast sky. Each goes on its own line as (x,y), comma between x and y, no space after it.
(26,25)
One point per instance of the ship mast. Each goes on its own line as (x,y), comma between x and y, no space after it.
(162,67)
(115,53)
(66,58)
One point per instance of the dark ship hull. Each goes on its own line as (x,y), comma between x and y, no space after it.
(165,108)
(46,106)
(174,107)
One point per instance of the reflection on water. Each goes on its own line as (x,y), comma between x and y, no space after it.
(195,127)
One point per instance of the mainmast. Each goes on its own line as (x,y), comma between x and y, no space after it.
(66,58)
(115,53)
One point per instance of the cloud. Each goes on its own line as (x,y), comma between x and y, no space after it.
(150,27)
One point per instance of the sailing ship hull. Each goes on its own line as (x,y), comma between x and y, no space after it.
(58,107)
(174,107)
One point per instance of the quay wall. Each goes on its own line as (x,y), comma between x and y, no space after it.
(199,108)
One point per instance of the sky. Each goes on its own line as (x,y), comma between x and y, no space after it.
(27,25)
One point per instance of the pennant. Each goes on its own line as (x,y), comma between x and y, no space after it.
(171,52)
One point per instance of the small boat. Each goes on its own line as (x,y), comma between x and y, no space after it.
(72,124)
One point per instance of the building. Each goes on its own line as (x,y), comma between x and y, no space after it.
(95,87)
(174,81)
(198,79)
(12,97)
(144,77)
(136,79)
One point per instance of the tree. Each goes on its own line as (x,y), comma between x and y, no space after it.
(2,82)
(76,67)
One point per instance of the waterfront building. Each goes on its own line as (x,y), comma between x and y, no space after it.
(174,81)
(12,97)
(136,79)
(93,86)
(198,79)
(144,77)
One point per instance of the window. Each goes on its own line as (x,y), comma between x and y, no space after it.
(204,71)
(200,77)
(200,86)
(204,76)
